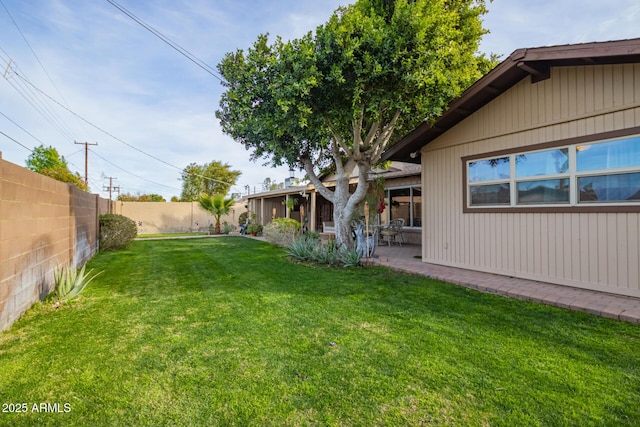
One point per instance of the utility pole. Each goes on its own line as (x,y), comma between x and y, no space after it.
(86,161)
(110,189)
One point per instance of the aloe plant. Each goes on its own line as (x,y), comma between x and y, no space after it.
(70,282)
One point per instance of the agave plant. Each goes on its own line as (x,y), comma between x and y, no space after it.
(70,282)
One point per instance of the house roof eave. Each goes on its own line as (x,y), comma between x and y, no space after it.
(534,62)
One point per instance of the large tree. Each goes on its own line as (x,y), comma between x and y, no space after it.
(211,178)
(337,98)
(47,161)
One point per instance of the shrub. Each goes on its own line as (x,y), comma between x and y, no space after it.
(282,231)
(116,231)
(349,257)
(227,228)
(326,254)
(254,228)
(302,248)
(309,249)
(242,219)
(70,282)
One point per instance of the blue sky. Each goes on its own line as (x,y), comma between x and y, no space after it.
(141,93)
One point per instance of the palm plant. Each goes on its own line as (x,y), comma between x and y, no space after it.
(217,205)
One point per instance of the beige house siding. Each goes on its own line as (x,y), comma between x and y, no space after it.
(589,250)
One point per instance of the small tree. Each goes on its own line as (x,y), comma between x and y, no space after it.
(211,178)
(47,161)
(217,205)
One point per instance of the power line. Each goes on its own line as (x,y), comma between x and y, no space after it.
(191,57)
(120,140)
(37,102)
(23,129)
(17,142)
(115,137)
(32,51)
(131,173)
(96,126)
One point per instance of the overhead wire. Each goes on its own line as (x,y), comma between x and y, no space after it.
(119,139)
(23,129)
(32,51)
(191,57)
(58,119)
(37,102)
(30,96)
(131,173)
(16,141)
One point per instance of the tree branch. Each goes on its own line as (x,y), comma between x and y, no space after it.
(383,138)
(336,136)
(315,180)
(356,124)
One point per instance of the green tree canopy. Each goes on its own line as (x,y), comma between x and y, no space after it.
(47,161)
(45,158)
(339,97)
(211,178)
(126,197)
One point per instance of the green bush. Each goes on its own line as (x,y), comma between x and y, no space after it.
(254,228)
(116,232)
(282,231)
(227,228)
(302,248)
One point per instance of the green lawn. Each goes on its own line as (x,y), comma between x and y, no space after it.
(162,235)
(227,331)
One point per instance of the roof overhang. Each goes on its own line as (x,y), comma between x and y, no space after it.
(534,62)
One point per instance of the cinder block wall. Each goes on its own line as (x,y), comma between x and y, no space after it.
(43,223)
(173,217)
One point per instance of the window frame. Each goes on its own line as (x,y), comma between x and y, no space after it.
(572,175)
(412,195)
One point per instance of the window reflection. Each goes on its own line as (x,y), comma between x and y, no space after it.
(496,194)
(551,162)
(621,153)
(489,169)
(610,188)
(546,191)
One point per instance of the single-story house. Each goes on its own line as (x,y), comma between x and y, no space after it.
(402,199)
(534,171)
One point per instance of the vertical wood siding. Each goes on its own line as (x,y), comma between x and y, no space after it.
(589,250)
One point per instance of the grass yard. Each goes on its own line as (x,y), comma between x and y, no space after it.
(163,235)
(227,331)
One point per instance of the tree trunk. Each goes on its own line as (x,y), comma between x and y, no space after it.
(345,205)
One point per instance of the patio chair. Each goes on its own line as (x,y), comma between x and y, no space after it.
(393,233)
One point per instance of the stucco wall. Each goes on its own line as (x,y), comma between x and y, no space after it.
(173,217)
(589,250)
(43,223)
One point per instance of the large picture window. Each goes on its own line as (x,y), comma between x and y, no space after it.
(605,172)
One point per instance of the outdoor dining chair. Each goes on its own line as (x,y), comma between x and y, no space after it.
(393,233)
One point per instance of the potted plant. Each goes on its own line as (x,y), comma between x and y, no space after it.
(254,229)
